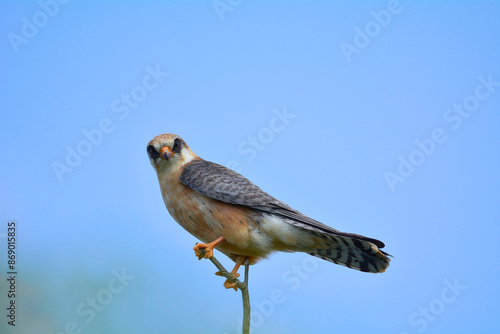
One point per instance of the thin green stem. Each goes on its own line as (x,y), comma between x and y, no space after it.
(243,286)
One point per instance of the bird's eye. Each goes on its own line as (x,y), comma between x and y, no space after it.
(177,146)
(152,152)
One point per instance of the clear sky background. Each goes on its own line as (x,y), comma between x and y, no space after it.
(373,117)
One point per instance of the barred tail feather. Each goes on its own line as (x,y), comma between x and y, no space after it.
(353,251)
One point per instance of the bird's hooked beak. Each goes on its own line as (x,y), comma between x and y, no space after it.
(166,153)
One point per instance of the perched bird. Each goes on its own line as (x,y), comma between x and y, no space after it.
(226,211)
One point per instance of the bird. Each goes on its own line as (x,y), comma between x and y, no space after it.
(227,212)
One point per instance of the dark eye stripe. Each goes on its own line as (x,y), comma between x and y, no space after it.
(152,152)
(177,146)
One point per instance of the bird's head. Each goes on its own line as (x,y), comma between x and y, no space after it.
(169,152)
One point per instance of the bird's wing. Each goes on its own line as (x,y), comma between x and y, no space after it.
(226,185)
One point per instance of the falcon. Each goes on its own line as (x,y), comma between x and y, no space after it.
(228,212)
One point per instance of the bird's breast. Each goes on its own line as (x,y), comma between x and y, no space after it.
(208,219)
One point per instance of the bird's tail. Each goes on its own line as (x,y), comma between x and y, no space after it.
(353,251)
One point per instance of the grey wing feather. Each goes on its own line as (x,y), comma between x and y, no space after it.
(226,185)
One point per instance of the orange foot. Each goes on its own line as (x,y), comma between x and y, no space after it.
(206,250)
(234,274)
(228,284)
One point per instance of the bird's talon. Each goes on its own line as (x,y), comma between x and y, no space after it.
(229,285)
(232,285)
(203,251)
(206,250)
(199,253)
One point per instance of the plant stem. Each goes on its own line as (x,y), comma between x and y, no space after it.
(246,301)
(242,286)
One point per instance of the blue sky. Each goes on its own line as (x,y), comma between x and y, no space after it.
(375,117)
